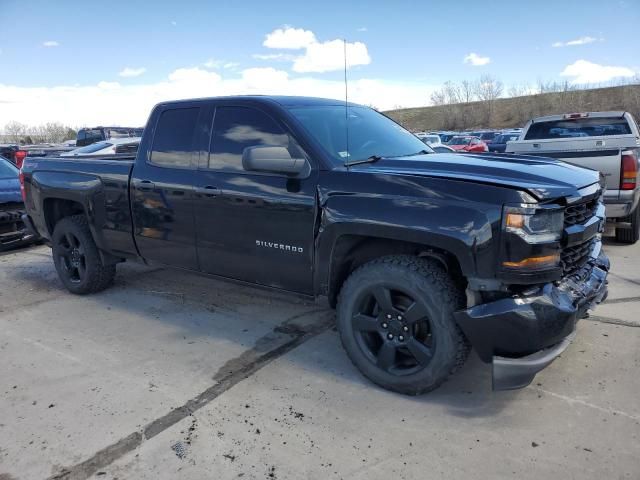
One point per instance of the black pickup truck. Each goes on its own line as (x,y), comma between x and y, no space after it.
(423,255)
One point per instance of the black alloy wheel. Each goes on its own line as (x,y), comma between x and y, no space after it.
(392,329)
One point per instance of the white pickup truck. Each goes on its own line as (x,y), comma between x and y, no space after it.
(604,141)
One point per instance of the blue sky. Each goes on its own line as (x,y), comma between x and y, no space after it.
(116,51)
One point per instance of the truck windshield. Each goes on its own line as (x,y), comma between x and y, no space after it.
(581,127)
(370,133)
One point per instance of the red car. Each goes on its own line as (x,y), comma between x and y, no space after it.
(466,143)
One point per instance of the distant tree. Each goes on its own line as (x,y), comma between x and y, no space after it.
(488,89)
(15,130)
(70,135)
(56,132)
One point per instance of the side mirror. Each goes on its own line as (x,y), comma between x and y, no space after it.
(265,158)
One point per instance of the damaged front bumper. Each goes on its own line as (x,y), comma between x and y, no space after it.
(522,335)
(13,232)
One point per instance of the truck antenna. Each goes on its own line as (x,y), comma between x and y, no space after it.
(346,101)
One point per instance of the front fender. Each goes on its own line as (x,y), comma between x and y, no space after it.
(463,229)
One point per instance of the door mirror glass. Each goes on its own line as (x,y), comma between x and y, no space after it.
(266,158)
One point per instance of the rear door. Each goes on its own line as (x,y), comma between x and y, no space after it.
(253,226)
(162,189)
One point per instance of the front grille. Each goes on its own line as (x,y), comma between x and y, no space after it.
(578,214)
(573,258)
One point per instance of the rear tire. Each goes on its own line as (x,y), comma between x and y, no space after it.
(630,235)
(395,318)
(76,257)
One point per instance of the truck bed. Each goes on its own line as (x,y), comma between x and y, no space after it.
(101,182)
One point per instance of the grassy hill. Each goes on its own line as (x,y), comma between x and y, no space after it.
(514,112)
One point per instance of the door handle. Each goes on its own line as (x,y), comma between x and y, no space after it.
(146,186)
(208,191)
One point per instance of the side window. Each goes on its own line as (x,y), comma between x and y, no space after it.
(173,140)
(236,128)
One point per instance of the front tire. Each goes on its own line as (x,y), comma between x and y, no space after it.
(76,257)
(630,235)
(395,318)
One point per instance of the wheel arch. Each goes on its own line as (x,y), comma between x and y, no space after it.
(350,251)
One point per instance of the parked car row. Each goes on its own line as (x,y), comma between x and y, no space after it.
(477,141)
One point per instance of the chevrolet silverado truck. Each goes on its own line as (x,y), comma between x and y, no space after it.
(605,141)
(423,255)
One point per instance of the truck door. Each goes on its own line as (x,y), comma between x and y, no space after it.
(253,226)
(162,189)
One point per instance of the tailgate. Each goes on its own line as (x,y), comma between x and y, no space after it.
(606,162)
(597,153)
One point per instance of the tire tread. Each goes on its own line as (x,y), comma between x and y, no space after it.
(442,285)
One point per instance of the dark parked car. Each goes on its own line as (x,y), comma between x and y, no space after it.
(8,151)
(487,136)
(87,136)
(12,230)
(499,144)
(423,255)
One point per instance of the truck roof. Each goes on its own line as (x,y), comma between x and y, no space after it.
(284,100)
(553,118)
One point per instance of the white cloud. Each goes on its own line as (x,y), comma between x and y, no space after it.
(132,72)
(212,63)
(577,41)
(289,38)
(126,104)
(362,29)
(476,60)
(584,72)
(217,64)
(318,56)
(274,56)
(174,23)
(329,56)
(50,43)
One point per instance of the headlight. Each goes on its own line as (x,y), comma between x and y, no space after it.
(534,225)
(531,238)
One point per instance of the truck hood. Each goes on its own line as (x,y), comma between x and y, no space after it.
(10,190)
(545,178)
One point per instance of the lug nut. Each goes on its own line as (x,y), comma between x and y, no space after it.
(390,336)
(385,325)
(401,338)
(389,316)
(405,328)
(399,317)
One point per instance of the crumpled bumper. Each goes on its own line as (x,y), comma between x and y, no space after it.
(17,234)
(522,335)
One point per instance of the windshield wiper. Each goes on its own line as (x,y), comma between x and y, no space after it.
(371,159)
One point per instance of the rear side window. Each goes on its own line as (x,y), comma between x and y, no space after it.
(578,128)
(173,141)
(236,128)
